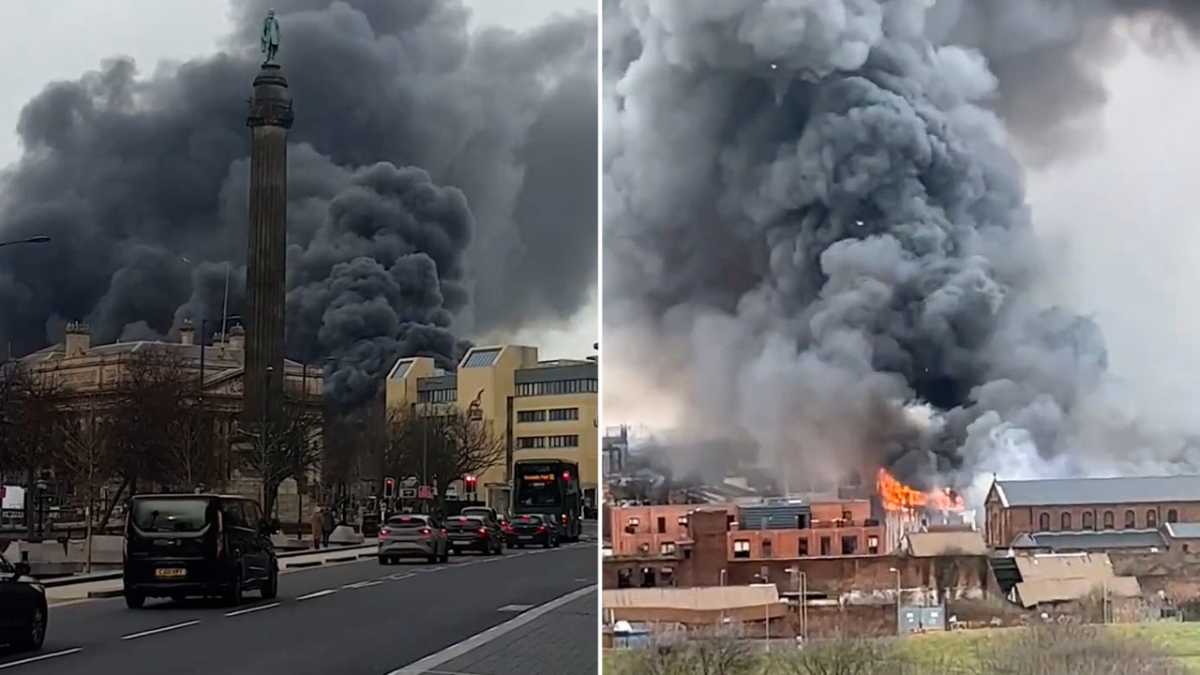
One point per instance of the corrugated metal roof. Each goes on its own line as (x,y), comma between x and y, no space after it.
(1064,566)
(932,544)
(703,598)
(1031,593)
(1069,491)
(1183,530)
(1099,541)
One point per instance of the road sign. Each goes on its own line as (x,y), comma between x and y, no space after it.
(411,482)
(408,493)
(425,492)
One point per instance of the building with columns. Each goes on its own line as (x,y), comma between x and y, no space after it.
(89,372)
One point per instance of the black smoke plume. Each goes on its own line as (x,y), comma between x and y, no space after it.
(816,233)
(440,185)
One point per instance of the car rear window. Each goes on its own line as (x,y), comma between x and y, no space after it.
(468,521)
(529,519)
(407,521)
(170,515)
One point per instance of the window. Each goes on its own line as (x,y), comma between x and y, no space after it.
(564,414)
(580,386)
(1044,522)
(803,550)
(1172,516)
(766,548)
(728,523)
(1108,520)
(1088,523)
(1065,521)
(624,578)
(531,415)
(846,516)
(826,546)
(662,525)
(1151,518)
(438,396)
(567,441)
(1130,518)
(849,545)
(526,442)
(631,525)
(648,578)
(682,521)
(667,548)
(741,548)
(872,545)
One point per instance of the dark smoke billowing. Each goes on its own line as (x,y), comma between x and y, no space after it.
(815,229)
(440,182)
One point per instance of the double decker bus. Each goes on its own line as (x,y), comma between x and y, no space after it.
(549,486)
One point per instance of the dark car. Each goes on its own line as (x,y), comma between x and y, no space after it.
(182,545)
(533,529)
(413,536)
(471,533)
(491,516)
(23,611)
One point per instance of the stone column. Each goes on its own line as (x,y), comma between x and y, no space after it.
(269,120)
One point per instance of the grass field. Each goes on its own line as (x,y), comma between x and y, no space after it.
(959,651)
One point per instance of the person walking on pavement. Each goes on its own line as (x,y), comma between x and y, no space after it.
(329,524)
(318,524)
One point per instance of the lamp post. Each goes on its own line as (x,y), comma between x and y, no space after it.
(897,573)
(39,239)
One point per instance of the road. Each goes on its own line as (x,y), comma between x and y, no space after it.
(357,617)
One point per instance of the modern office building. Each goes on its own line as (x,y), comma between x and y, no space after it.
(542,409)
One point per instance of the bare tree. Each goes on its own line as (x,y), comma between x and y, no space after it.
(276,448)
(442,448)
(30,415)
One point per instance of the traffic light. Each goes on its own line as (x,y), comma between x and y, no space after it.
(470,482)
(389,487)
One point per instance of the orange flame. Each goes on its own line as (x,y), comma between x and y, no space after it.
(897,496)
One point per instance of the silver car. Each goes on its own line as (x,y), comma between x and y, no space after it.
(413,536)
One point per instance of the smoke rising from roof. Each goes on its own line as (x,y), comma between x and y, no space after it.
(814,211)
(439,185)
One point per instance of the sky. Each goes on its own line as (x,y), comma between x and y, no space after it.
(1119,224)
(39,51)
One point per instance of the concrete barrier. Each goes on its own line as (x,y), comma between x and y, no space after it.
(107,549)
(345,535)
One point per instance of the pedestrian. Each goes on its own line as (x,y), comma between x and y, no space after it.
(317,523)
(329,524)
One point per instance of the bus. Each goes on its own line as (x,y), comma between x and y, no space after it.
(549,486)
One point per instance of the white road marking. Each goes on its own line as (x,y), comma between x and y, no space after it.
(42,657)
(248,610)
(429,663)
(328,591)
(362,584)
(160,630)
(514,608)
(398,576)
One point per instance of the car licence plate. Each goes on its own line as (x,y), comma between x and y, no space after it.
(170,572)
(525,537)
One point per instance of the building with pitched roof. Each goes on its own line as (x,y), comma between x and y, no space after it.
(1119,507)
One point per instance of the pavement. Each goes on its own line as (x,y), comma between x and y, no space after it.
(528,611)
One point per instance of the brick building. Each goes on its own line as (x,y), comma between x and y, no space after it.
(704,557)
(1030,507)
(763,531)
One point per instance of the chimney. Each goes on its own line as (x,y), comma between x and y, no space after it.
(78,339)
(237,337)
(187,333)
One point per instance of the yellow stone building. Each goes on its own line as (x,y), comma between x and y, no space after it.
(543,409)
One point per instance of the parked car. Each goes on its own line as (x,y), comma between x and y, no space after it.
(23,613)
(472,533)
(413,536)
(532,529)
(180,545)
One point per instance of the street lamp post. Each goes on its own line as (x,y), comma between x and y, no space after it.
(897,573)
